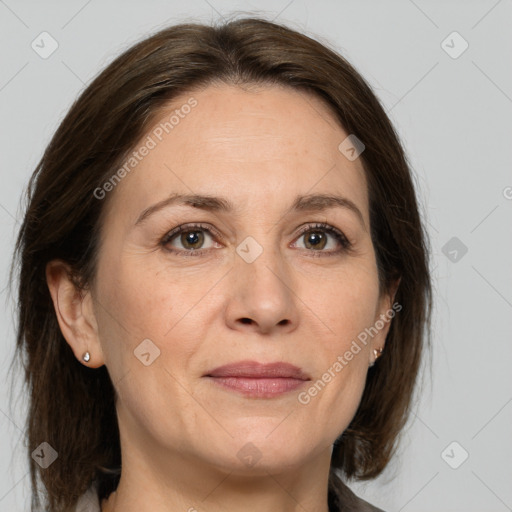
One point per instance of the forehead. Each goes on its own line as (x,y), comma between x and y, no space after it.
(268,143)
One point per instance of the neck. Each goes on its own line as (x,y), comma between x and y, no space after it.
(191,489)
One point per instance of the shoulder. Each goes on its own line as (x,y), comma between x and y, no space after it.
(345,500)
(89,501)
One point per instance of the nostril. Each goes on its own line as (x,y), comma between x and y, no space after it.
(246,320)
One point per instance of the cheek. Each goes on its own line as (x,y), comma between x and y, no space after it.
(348,307)
(347,303)
(141,301)
(130,312)
(335,393)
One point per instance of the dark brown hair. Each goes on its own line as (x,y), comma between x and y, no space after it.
(72,407)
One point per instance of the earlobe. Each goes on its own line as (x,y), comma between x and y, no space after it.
(75,316)
(387,313)
(388,300)
(393,290)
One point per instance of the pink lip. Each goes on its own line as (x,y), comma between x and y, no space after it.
(259,380)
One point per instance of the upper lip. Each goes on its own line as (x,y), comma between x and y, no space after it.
(253,369)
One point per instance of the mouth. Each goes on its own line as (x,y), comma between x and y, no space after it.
(257,380)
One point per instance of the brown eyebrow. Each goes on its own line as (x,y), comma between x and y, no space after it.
(304,203)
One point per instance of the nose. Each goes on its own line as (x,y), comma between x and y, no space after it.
(262,298)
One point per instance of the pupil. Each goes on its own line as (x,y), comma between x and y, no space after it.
(192,238)
(316,239)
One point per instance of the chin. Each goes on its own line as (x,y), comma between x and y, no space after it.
(263,451)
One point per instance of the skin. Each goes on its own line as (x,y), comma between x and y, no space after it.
(180,433)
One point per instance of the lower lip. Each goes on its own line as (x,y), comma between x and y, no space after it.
(259,387)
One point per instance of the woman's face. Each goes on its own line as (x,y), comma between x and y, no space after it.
(247,284)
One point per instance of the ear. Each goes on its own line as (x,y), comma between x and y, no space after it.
(75,313)
(386,311)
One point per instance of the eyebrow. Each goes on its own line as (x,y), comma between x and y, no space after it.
(303,203)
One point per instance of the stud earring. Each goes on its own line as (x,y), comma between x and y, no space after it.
(86,357)
(377,352)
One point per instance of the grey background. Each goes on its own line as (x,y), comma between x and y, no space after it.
(454,116)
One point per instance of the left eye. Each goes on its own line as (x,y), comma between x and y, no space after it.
(315,240)
(322,237)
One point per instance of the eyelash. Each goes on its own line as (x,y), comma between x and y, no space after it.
(185,228)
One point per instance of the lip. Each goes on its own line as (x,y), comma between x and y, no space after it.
(259,380)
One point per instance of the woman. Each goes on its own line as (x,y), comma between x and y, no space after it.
(224,290)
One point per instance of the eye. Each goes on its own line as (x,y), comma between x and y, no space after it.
(320,236)
(188,239)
